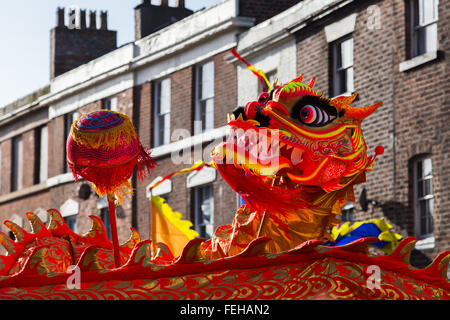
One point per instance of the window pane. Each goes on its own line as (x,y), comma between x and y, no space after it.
(341,82)
(165,96)
(419,166)
(209,114)
(427,187)
(104,215)
(166,128)
(207,89)
(431,37)
(162,112)
(420,189)
(205,93)
(428,11)
(17,164)
(349,87)
(160,135)
(347,53)
(71,222)
(204,211)
(111,104)
(207,207)
(43,160)
(426,167)
(426,216)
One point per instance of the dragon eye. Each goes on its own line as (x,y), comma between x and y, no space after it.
(308,114)
(312,115)
(314,111)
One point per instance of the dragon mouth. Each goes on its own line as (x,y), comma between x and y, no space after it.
(262,154)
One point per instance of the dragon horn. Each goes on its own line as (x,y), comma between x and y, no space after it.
(298,79)
(355,112)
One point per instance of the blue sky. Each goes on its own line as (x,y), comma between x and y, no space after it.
(25,33)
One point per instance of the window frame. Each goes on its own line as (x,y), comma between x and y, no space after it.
(348,212)
(104,216)
(68,220)
(200,121)
(426,197)
(335,79)
(16,163)
(161,137)
(107,103)
(199,223)
(39,152)
(415,29)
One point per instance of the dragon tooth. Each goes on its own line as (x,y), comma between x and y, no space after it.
(296,156)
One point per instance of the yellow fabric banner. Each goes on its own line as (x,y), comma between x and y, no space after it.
(168,227)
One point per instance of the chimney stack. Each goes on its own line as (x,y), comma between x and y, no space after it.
(151,18)
(72,46)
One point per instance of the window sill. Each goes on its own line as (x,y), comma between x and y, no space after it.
(418,61)
(60,179)
(346,94)
(187,143)
(426,243)
(23,193)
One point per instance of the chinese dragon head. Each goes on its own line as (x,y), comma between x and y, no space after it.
(294,156)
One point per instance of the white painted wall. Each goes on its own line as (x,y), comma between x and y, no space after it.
(189,56)
(91,94)
(281,58)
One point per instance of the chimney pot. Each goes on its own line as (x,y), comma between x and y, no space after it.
(92,20)
(180,4)
(60,17)
(103,20)
(165,3)
(72,24)
(82,19)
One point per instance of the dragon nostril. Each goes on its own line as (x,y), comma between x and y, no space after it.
(263,98)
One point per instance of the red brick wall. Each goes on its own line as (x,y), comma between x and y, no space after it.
(412,121)
(312,58)
(56,146)
(422,127)
(182,99)
(6,167)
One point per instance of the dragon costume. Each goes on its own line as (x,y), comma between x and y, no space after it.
(294,156)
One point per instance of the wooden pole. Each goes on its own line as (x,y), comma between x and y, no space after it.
(152,224)
(112,220)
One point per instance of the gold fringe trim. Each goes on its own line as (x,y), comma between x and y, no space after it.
(107,139)
(120,191)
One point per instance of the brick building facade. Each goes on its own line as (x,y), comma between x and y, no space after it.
(375,48)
